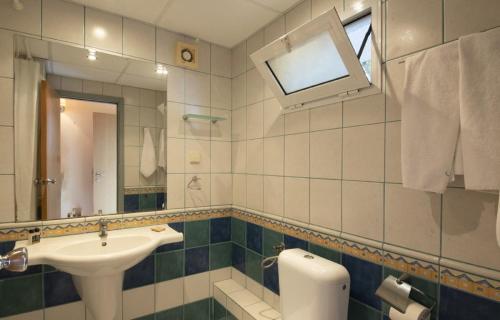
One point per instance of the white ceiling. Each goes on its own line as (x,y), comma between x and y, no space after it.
(224,22)
(72,62)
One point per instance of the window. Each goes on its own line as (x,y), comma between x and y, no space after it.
(318,60)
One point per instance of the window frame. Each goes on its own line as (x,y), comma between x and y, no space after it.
(336,90)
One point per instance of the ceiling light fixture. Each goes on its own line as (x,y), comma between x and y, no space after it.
(92,55)
(18,5)
(160,69)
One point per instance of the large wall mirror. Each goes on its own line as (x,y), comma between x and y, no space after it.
(89,132)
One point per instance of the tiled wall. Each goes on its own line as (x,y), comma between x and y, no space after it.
(337,168)
(173,280)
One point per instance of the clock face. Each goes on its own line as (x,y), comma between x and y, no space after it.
(187,55)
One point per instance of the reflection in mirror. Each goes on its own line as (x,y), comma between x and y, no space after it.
(89,132)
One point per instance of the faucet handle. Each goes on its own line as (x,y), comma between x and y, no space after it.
(103,222)
(16,260)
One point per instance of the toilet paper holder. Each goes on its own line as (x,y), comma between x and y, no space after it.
(396,292)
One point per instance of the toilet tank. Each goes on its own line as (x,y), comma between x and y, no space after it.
(311,287)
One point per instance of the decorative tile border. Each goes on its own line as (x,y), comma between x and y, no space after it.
(474,284)
(144,190)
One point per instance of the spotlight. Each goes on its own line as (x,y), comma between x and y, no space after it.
(160,69)
(92,55)
(18,5)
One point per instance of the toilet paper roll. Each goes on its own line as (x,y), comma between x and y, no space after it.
(415,311)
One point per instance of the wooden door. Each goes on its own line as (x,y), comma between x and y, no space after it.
(49,179)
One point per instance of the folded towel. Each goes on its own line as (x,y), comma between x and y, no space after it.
(430,118)
(480,111)
(148,156)
(161,150)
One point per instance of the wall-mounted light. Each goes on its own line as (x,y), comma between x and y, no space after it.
(99,32)
(160,69)
(18,5)
(92,55)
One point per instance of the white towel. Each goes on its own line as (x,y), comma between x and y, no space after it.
(430,118)
(148,156)
(161,152)
(480,111)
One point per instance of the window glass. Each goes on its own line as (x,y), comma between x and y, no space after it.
(308,64)
(356,31)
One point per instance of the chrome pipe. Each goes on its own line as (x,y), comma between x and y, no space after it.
(15,260)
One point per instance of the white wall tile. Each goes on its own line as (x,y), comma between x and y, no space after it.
(73,310)
(131,96)
(221,189)
(395,72)
(319,7)
(72,84)
(239,156)
(297,155)
(92,87)
(220,156)
(138,39)
(219,275)
(297,122)
(197,128)
(393,152)
(326,200)
(220,92)
(238,91)
(201,148)
(204,60)
(254,43)
(326,117)
(363,218)
(175,187)
(138,302)
(274,30)
(255,156)
(112,90)
(132,156)
(166,43)
(131,176)
(148,98)
(131,136)
(298,15)
(255,121)
(63,20)
(363,153)
(413,26)
(103,30)
(27,20)
(240,190)
(6,102)
(255,192)
(366,110)
(147,118)
(274,124)
(238,59)
(221,61)
(175,84)
(255,87)
(273,195)
(175,123)
(197,88)
(274,153)
(6,54)
(297,199)
(201,197)
(469,220)
(239,125)
(412,218)
(462,17)
(221,130)
(175,155)
(326,154)
(196,287)
(169,294)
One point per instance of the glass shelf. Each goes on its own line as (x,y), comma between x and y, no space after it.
(213,119)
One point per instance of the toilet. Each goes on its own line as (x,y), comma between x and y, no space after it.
(311,287)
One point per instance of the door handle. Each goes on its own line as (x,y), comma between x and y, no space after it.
(45,181)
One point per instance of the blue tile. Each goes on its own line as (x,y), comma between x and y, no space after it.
(131,203)
(196,260)
(220,230)
(238,257)
(365,279)
(6,246)
(59,289)
(459,305)
(179,227)
(254,237)
(141,274)
(271,279)
(161,203)
(292,243)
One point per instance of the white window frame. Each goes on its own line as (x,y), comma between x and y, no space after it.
(354,85)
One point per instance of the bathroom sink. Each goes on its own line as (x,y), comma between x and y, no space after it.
(98,264)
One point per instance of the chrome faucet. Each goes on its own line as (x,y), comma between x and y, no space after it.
(103,228)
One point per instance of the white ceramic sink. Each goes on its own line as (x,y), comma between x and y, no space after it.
(98,269)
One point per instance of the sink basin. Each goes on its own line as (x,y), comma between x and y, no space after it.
(98,265)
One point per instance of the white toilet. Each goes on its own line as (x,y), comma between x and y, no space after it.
(311,287)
